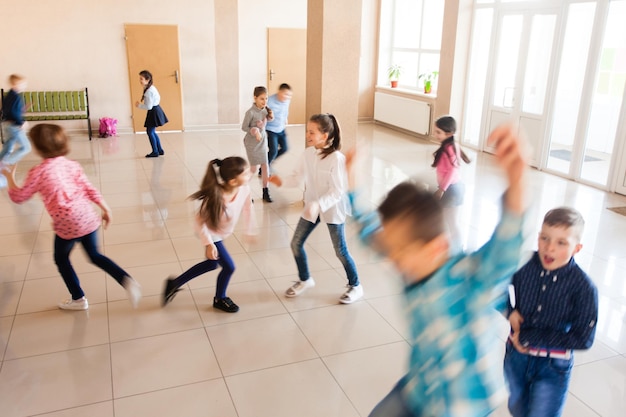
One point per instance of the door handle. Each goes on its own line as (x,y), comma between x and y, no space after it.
(272,74)
(176,76)
(510,103)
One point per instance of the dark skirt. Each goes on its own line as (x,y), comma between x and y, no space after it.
(155,117)
(454,195)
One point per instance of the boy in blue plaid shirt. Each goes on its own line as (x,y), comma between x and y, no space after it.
(450,299)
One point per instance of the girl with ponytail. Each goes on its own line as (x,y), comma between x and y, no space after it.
(451,190)
(323,171)
(224,196)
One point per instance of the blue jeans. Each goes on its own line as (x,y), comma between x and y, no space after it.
(277,145)
(155,142)
(392,405)
(14,135)
(62,249)
(537,385)
(223,278)
(337,236)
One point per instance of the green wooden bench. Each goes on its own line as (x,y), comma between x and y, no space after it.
(56,105)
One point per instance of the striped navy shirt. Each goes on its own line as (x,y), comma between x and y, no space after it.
(560,307)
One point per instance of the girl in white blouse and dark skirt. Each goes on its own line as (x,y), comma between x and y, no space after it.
(155,116)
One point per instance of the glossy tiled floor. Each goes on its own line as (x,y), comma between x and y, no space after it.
(277,357)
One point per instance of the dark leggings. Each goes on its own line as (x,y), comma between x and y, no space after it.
(223,278)
(62,249)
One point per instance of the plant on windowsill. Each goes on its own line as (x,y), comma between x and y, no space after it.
(428,77)
(393,73)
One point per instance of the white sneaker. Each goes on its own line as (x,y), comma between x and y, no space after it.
(80,304)
(134,291)
(354,293)
(299,287)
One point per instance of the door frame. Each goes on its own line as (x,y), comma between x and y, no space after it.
(527,12)
(152,54)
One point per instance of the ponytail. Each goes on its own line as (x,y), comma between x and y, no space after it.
(215,182)
(327,123)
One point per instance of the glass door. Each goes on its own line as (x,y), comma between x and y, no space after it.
(567,99)
(606,98)
(589,94)
(521,68)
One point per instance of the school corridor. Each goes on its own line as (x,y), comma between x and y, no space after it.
(277,357)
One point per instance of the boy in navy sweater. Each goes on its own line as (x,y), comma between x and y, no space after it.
(16,144)
(553,309)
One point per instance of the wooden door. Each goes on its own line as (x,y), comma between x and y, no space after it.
(155,48)
(286,59)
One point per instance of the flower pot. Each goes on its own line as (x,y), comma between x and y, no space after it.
(427,87)
(394,83)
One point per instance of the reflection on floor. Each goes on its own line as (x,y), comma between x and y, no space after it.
(307,356)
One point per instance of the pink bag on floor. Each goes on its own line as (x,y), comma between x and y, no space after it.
(108,127)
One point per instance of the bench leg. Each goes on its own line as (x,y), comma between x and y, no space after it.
(89,127)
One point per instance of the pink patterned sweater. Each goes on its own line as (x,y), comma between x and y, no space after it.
(67,195)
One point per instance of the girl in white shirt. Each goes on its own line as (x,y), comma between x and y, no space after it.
(323,171)
(223,201)
(155,116)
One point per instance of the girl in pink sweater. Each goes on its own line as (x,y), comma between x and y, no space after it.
(224,196)
(451,190)
(68,196)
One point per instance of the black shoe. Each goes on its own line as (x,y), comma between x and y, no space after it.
(225,304)
(169,292)
(161,152)
(152,155)
(259,172)
(266,195)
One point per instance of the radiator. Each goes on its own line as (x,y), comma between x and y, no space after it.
(412,115)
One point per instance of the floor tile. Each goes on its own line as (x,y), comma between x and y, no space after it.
(103,409)
(278,392)
(46,293)
(202,399)
(40,383)
(10,293)
(57,331)
(346,328)
(150,319)
(13,268)
(165,361)
(393,309)
(276,340)
(329,286)
(150,277)
(255,300)
(601,385)
(368,375)
(279,262)
(128,255)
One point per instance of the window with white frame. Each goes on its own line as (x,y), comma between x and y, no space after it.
(410,37)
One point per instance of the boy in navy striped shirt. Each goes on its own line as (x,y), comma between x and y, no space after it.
(553,309)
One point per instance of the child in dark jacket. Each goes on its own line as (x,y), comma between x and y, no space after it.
(553,309)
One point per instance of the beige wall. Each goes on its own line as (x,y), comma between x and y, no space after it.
(254,19)
(65,44)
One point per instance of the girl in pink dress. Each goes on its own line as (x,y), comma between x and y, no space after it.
(68,196)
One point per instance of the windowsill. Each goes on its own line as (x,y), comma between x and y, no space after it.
(407,92)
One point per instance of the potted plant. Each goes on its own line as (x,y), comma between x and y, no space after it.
(428,77)
(393,72)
